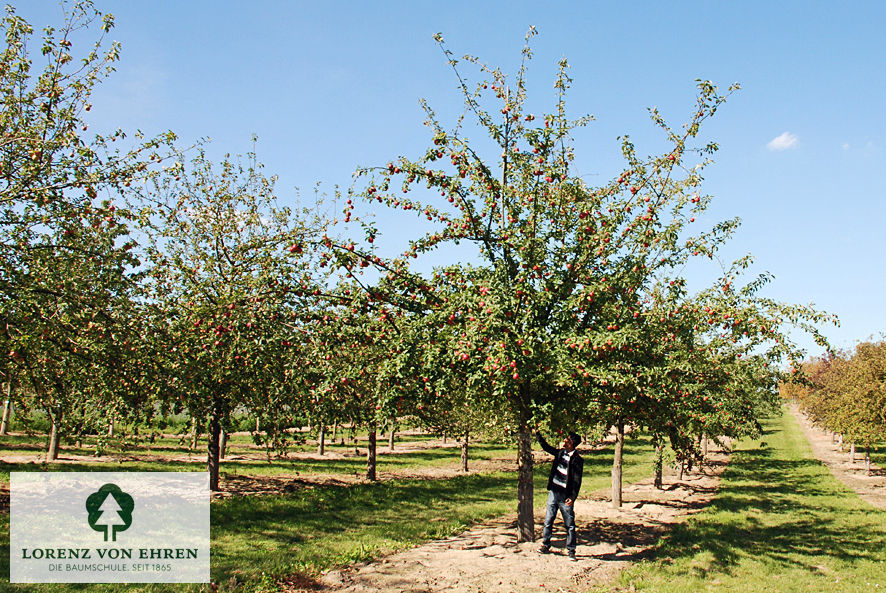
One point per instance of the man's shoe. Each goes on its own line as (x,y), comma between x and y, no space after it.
(544,549)
(572,555)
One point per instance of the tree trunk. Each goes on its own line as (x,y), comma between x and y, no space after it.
(7,409)
(257,424)
(334,431)
(193,434)
(223,445)
(464,452)
(370,455)
(52,453)
(391,438)
(617,463)
(214,451)
(867,460)
(658,481)
(682,468)
(525,518)
(444,437)
(111,427)
(852,454)
(321,440)
(704,447)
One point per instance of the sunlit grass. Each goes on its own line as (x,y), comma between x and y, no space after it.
(780,523)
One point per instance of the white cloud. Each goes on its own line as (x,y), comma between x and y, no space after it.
(783,142)
(846,146)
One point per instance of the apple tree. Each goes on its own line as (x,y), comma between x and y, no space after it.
(547,319)
(66,261)
(231,275)
(844,393)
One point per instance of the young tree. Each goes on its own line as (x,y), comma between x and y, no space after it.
(358,343)
(867,396)
(77,353)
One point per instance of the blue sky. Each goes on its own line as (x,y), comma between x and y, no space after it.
(328,86)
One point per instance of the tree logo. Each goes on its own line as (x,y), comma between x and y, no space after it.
(110,510)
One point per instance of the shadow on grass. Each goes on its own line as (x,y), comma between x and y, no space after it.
(331,525)
(786,512)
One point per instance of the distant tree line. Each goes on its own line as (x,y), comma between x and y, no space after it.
(844,393)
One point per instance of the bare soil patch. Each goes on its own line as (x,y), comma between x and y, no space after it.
(248,485)
(871,488)
(488,559)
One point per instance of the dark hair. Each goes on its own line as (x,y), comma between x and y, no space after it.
(576,440)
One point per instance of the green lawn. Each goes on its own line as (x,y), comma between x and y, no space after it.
(780,523)
(319,528)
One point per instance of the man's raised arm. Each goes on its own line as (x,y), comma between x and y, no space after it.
(544,444)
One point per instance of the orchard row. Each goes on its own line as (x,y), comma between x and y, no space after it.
(845,393)
(150,279)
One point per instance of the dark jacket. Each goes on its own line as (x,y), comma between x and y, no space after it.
(573,474)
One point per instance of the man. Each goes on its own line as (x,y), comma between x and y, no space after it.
(563,485)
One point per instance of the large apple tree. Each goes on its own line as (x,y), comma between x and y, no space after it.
(561,267)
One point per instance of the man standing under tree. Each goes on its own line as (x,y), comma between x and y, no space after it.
(563,485)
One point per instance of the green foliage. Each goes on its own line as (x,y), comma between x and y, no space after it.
(229,282)
(67,278)
(576,312)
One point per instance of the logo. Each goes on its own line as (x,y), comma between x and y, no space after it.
(110,510)
(154,527)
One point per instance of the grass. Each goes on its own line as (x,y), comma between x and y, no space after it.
(878,455)
(780,522)
(126,457)
(315,529)
(169,443)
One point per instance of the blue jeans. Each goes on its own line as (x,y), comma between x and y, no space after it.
(556,501)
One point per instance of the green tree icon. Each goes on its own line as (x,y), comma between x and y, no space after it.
(110,510)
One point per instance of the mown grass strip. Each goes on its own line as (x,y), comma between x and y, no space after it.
(780,523)
(315,529)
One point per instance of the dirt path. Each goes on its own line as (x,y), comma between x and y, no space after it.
(488,559)
(871,488)
(248,485)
